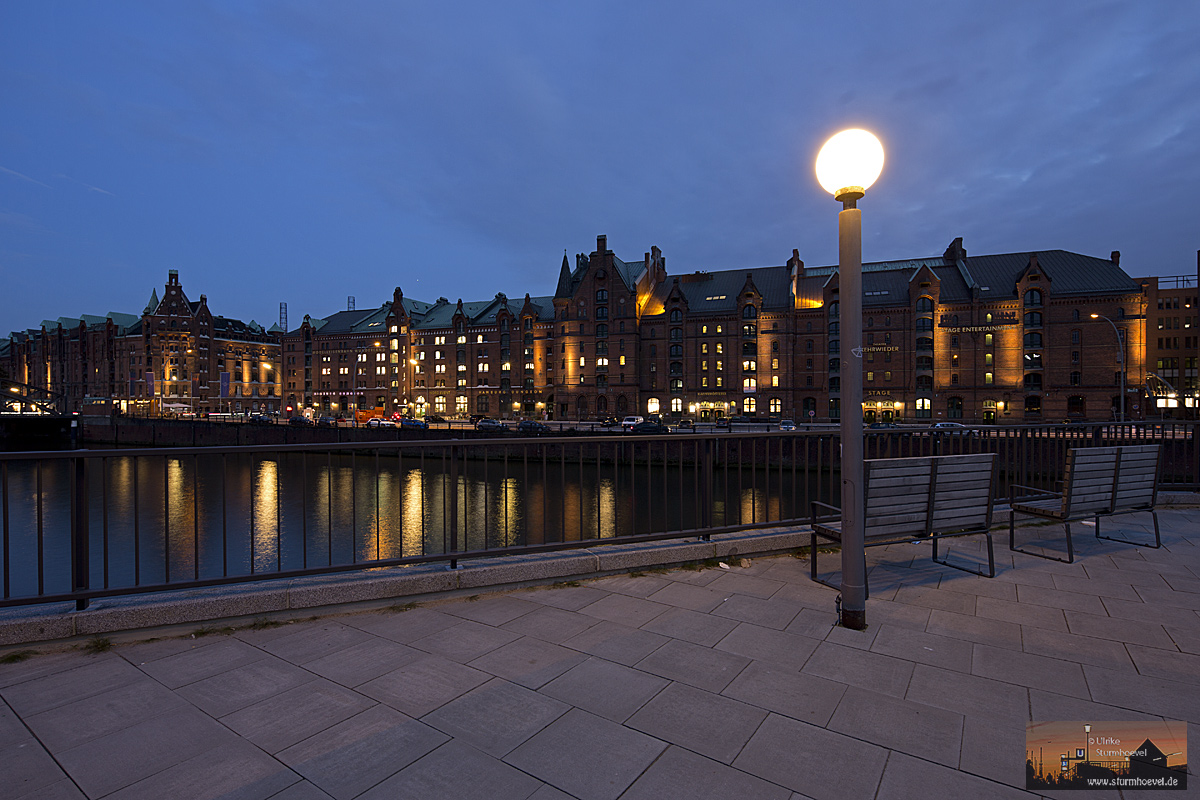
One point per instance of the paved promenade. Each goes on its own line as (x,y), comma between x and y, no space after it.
(713,683)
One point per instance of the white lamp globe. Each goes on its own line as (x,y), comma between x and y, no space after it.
(849,163)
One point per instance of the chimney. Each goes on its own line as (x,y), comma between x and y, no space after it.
(601,244)
(1115,258)
(794,262)
(955,252)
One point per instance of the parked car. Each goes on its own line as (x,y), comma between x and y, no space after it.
(952,427)
(262,419)
(380,422)
(686,425)
(629,422)
(648,426)
(434,418)
(742,420)
(787,425)
(326,422)
(489,424)
(882,425)
(300,421)
(413,422)
(608,422)
(530,427)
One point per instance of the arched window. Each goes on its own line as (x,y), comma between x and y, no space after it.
(924,408)
(835,365)
(835,329)
(924,324)
(954,408)
(581,408)
(809,404)
(676,386)
(924,342)
(602,295)
(924,305)
(676,334)
(1033,319)
(774,347)
(1033,404)
(676,315)
(676,405)
(1076,406)
(775,405)
(676,368)
(1076,378)
(1033,381)
(676,351)
(1075,315)
(1033,298)
(601,404)
(601,331)
(750,406)
(749,384)
(1033,339)
(835,309)
(925,362)
(748,330)
(749,349)
(749,312)
(924,383)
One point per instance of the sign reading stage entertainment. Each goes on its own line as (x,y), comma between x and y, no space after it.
(996,321)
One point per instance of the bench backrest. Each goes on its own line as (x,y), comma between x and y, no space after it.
(919,496)
(1108,479)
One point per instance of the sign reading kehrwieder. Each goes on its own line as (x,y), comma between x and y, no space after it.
(1147,754)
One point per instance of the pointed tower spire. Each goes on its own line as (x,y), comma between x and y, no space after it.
(564,279)
(152,306)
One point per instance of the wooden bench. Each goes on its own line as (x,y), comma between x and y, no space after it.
(1098,482)
(908,499)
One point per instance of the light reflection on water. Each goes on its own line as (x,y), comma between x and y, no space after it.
(206,516)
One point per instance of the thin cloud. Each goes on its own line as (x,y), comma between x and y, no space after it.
(23,177)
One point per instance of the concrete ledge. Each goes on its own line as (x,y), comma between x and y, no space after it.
(319,591)
(624,557)
(764,542)
(174,608)
(535,567)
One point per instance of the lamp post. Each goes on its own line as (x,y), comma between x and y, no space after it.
(846,167)
(1120,358)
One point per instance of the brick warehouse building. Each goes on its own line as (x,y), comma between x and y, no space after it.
(992,338)
(177,356)
(1172,344)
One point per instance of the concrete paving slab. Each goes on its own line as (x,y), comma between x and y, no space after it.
(404,626)
(907,778)
(218,656)
(860,668)
(1026,669)
(1024,614)
(314,642)
(529,661)
(496,717)
(694,665)
(244,686)
(680,774)
(1095,587)
(292,716)
(685,595)
(615,642)
(495,610)
(806,698)
(922,648)
(787,650)
(420,686)
(632,611)
(301,790)
(819,763)
(568,598)
(233,769)
(587,756)
(59,790)
(969,695)
(632,585)
(27,768)
(456,770)
(465,641)
(550,624)
(1072,647)
(363,662)
(737,583)
(67,726)
(66,686)
(691,626)
(1123,631)
(349,758)
(705,723)
(933,734)
(605,688)
(997,633)
(769,613)
(932,597)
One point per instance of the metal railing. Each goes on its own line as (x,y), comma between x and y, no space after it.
(91,523)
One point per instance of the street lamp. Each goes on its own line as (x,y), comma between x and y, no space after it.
(1120,358)
(846,167)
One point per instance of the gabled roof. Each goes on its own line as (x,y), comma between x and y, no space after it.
(484,312)
(1068,273)
(717,292)
(629,272)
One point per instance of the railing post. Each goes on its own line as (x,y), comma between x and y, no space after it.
(80,541)
(451,496)
(706,470)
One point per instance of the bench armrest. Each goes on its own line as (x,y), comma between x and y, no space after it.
(1029,491)
(837,512)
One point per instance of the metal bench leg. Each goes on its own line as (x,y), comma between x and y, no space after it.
(1012,544)
(991,573)
(1157,538)
(813,566)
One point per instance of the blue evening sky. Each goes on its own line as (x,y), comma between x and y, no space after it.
(306,151)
